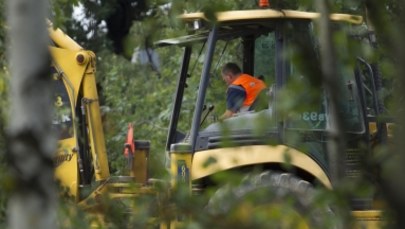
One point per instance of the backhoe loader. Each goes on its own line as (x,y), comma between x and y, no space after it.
(278,147)
(279,150)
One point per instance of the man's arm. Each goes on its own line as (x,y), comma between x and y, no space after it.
(235,96)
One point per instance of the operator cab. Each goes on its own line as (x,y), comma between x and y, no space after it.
(264,43)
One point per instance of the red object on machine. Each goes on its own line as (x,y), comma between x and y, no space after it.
(129,144)
(264,3)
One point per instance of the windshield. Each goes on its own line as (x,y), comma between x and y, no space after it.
(311,108)
(226,50)
(304,97)
(264,58)
(215,96)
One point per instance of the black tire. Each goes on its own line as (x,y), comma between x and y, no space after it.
(269,200)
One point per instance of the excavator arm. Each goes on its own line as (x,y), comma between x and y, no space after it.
(82,157)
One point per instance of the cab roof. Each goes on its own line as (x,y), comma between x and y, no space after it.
(247,15)
(235,23)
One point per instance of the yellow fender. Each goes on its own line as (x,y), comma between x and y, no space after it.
(208,162)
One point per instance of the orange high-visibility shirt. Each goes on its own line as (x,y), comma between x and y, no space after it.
(252,86)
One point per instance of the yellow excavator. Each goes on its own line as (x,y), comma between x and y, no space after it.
(258,144)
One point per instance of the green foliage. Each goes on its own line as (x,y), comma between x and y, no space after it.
(215,6)
(133,93)
(61,11)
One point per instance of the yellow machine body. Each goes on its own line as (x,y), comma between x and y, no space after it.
(75,69)
(235,157)
(208,162)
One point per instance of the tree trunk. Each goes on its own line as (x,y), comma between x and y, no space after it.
(30,139)
(331,81)
(389,31)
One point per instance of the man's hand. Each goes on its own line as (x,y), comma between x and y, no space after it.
(226,115)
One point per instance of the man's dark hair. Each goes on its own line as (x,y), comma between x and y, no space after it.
(231,68)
